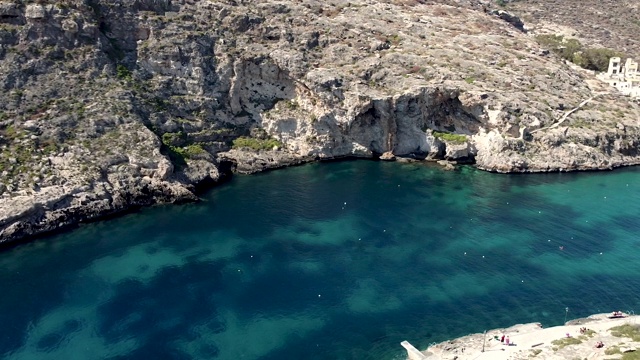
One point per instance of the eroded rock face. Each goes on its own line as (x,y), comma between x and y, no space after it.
(107,105)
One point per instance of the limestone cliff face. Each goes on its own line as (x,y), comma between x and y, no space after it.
(371,125)
(109,104)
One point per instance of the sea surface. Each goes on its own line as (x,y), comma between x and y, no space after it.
(336,260)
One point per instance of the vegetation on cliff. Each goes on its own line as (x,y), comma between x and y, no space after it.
(111,104)
(572,50)
(454,138)
(256,144)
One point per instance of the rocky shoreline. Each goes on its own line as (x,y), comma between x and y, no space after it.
(25,217)
(108,106)
(577,339)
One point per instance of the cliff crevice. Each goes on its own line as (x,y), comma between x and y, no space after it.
(107,104)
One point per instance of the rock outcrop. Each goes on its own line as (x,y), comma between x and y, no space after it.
(107,105)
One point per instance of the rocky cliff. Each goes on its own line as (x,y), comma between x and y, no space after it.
(109,104)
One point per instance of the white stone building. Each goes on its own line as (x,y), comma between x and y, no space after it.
(624,77)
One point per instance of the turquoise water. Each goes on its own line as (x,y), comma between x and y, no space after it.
(327,261)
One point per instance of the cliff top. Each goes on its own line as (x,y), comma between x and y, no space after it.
(613,24)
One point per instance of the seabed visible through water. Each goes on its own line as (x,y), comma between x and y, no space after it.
(327,261)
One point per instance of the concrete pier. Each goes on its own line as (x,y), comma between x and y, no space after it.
(412,352)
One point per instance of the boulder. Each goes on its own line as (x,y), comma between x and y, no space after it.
(35,12)
(388,156)
(510,18)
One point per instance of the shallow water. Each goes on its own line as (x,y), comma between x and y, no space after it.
(327,261)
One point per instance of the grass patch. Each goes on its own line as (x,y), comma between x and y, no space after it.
(535,352)
(561,343)
(9,132)
(454,138)
(615,350)
(634,355)
(629,331)
(588,334)
(255,144)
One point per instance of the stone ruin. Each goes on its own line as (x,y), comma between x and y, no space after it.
(624,77)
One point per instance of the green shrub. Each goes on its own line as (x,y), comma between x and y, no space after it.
(565,48)
(572,50)
(255,144)
(123,73)
(174,139)
(595,59)
(159,104)
(454,138)
(179,154)
(190,151)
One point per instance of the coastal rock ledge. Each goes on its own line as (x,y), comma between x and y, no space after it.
(598,336)
(108,105)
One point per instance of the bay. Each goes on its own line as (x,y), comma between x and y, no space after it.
(338,260)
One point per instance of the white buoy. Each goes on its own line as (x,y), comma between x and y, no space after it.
(384,230)
(483,256)
(600,253)
(345,203)
(465,253)
(359,239)
(549,240)
(319,295)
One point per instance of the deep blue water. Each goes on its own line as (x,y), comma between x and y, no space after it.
(327,261)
